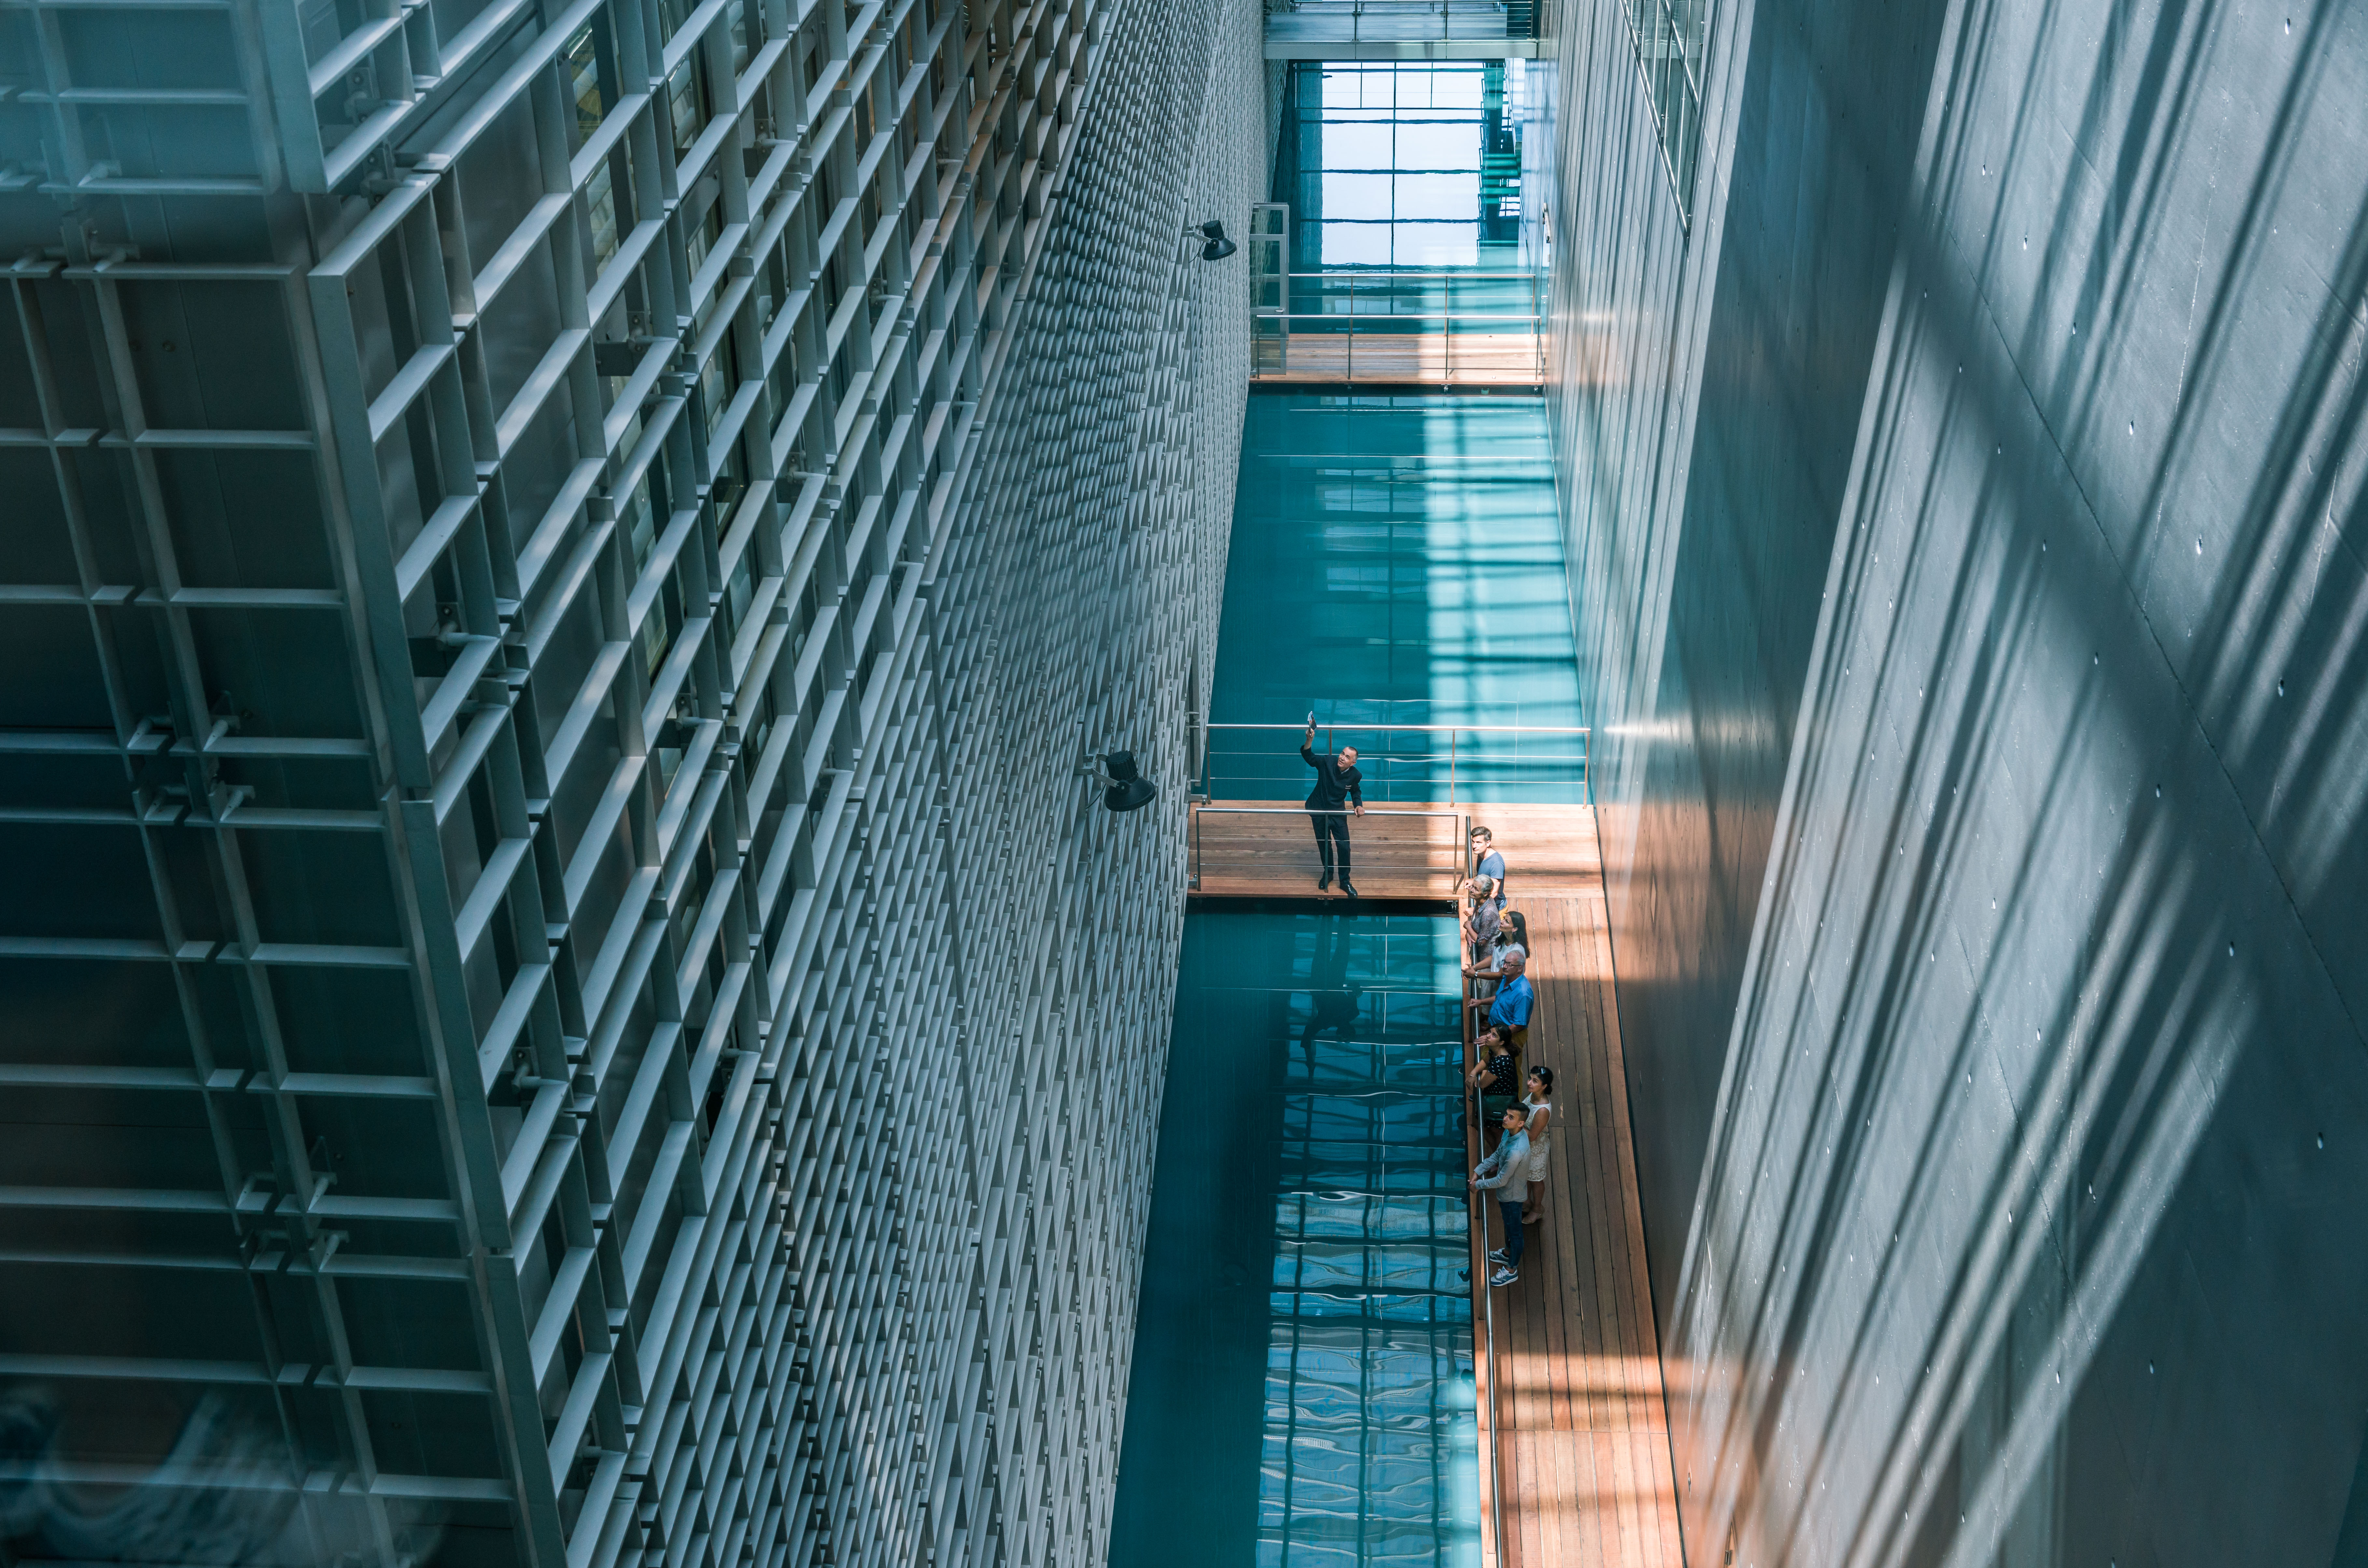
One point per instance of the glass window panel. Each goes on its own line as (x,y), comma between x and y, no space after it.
(1671,38)
(1359,90)
(1358,145)
(1437,245)
(602,196)
(1356,245)
(1454,194)
(1437,147)
(1356,195)
(1450,89)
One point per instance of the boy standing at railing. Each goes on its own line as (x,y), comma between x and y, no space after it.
(1487,862)
(1504,1176)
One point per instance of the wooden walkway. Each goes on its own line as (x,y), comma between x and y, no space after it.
(1266,849)
(1427,358)
(1573,1396)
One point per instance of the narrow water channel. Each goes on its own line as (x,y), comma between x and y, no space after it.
(1302,1388)
(1301,1394)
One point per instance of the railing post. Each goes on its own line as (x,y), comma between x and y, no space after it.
(1537,330)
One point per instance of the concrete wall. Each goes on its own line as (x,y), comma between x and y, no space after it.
(1967,540)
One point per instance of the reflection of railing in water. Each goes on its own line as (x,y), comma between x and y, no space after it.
(1427,327)
(1408,763)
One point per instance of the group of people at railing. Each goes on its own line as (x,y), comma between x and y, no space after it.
(1499,1002)
(1498,1006)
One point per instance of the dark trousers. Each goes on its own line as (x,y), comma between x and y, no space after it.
(1512,1213)
(1331,838)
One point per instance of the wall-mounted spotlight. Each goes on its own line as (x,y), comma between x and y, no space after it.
(1218,248)
(1124,787)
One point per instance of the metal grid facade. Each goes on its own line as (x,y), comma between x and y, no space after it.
(560,998)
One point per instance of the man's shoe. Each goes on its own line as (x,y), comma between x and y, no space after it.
(1348,887)
(1324,881)
(1498,1256)
(1505,1276)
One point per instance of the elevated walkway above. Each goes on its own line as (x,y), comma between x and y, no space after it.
(1402,30)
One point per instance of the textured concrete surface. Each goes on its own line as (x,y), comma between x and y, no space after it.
(1966,537)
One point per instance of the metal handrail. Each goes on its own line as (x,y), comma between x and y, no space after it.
(1467,1032)
(1331,728)
(1481,20)
(1457,274)
(1328,725)
(1362,318)
(1274,324)
(1202,808)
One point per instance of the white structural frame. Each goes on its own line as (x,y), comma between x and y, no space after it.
(562,555)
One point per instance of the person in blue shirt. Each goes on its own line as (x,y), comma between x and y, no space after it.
(1487,862)
(1497,1070)
(1508,1010)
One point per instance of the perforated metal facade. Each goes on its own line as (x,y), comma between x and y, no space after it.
(561,999)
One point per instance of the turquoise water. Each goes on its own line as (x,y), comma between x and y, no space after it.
(1397,560)
(1302,1389)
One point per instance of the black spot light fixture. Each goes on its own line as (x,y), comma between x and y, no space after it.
(1124,789)
(1217,247)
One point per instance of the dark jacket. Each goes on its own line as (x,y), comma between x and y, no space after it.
(1334,783)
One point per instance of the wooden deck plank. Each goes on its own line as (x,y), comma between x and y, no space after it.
(1413,850)
(1572,1195)
(1608,1343)
(1594,1551)
(1631,1199)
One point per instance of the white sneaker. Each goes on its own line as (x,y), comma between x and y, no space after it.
(1506,1274)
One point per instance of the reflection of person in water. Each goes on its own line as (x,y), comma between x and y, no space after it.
(1333,996)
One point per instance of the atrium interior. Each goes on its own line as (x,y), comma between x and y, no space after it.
(667,668)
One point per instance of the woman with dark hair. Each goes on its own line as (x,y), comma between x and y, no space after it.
(1512,936)
(1538,1100)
